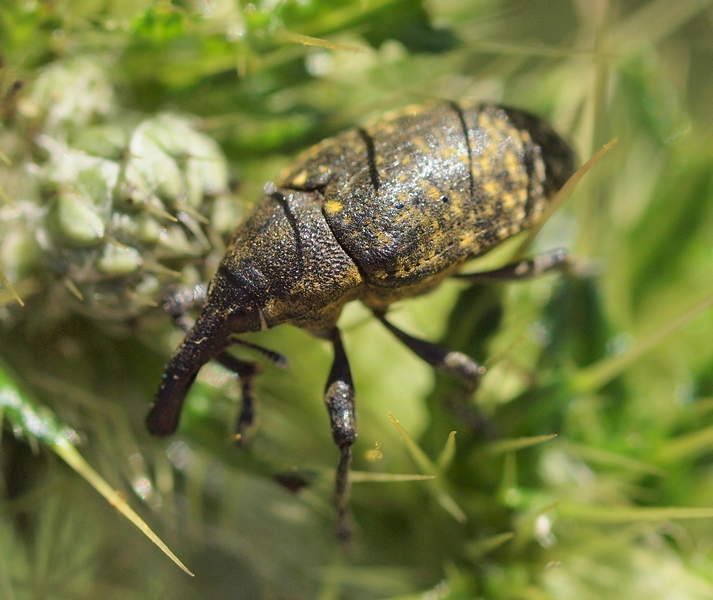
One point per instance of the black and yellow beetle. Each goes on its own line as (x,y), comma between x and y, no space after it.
(376,214)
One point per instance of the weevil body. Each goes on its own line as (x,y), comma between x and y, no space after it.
(376,214)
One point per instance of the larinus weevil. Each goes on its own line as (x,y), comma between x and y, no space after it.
(377,214)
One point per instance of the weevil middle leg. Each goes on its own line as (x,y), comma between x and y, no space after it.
(339,397)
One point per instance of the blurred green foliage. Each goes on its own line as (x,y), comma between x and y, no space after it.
(605,509)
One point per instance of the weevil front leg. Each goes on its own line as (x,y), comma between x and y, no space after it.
(339,397)
(524,269)
(245,371)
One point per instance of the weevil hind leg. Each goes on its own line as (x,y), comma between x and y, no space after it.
(339,398)
(458,365)
(555,260)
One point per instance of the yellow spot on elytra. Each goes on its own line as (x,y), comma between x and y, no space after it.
(492,187)
(508,202)
(512,164)
(432,192)
(421,144)
(506,232)
(333,206)
(467,240)
(485,121)
(300,178)
(383,238)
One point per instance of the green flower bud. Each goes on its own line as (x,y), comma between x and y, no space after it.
(116,260)
(74,221)
(116,211)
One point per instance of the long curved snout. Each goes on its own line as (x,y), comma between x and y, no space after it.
(208,337)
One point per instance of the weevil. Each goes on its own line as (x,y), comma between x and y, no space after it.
(377,214)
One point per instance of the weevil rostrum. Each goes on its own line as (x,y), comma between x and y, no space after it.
(377,214)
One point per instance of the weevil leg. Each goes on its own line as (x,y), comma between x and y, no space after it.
(523,269)
(339,397)
(245,371)
(456,364)
(277,359)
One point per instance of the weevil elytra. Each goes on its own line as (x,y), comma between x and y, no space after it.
(376,214)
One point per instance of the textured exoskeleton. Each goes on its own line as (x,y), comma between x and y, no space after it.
(376,214)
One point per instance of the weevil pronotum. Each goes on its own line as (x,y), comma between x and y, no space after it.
(377,214)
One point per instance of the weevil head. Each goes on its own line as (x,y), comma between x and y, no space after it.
(228,309)
(233,300)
